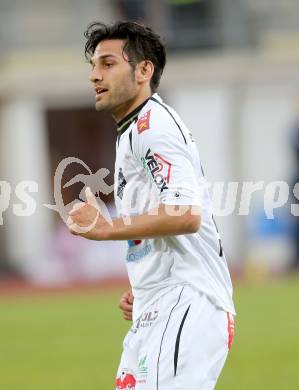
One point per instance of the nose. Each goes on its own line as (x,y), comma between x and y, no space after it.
(95,75)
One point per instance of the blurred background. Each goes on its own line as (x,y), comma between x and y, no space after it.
(232,75)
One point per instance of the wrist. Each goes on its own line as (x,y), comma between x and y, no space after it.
(105,233)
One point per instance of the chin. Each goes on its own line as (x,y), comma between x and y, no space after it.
(99,106)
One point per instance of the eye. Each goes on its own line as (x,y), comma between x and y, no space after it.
(108,65)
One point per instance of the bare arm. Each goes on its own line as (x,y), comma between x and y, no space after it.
(167,221)
(151,226)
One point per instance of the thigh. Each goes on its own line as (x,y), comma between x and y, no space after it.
(188,348)
(204,345)
(143,344)
(157,353)
(181,342)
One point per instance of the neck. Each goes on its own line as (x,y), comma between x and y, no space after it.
(121,112)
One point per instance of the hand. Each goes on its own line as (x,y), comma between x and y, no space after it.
(126,305)
(86,220)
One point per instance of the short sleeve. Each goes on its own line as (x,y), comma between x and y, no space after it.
(167,158)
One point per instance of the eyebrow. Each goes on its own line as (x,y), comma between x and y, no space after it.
(102,57)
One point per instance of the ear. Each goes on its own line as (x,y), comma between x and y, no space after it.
(144,71)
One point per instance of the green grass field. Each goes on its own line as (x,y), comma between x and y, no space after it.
(73,342)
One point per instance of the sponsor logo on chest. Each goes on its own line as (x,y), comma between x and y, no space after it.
(159,169)
(137,251)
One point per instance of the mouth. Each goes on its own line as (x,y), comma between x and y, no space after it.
(100,92)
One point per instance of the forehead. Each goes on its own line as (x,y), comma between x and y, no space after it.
(113,47)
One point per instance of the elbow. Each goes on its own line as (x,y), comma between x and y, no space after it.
(191,223)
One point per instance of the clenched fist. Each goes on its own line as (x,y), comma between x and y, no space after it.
(126,305)
(86,219)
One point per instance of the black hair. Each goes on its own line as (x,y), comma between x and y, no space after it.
(141,44)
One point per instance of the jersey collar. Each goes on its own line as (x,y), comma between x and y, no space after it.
(128,119)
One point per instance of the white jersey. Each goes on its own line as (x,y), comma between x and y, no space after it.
(157,162)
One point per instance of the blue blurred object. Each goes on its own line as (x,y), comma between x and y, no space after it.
(260,226)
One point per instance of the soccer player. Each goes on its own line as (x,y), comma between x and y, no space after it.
(181,300)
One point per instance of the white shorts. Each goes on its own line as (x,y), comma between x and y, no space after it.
(180,343)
